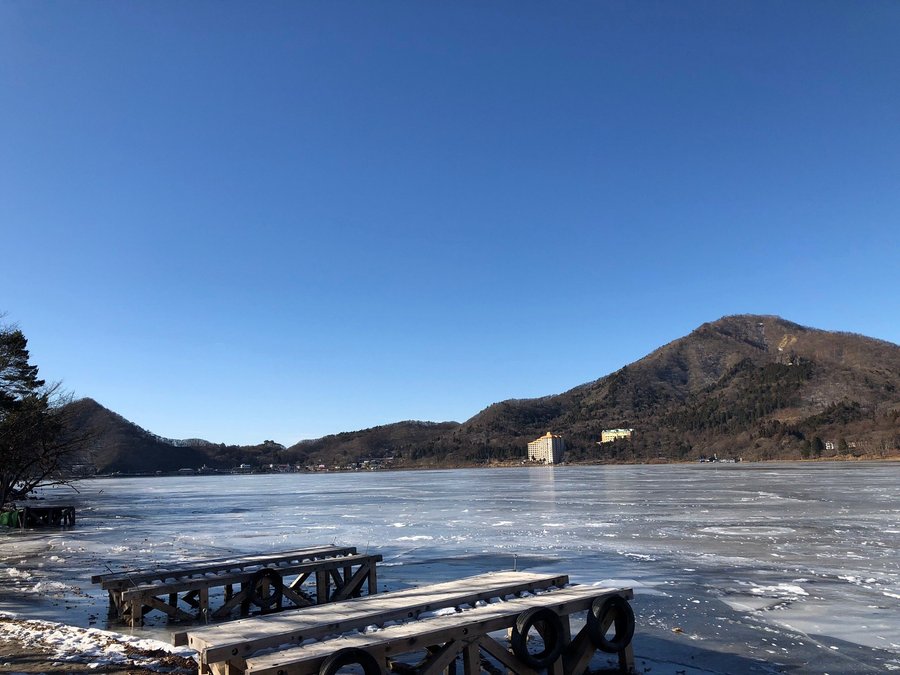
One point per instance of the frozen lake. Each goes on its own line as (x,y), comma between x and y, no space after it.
(737,568)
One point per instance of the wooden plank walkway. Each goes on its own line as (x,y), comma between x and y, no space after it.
(225,647)
(444,639)
(335,580)
(213,565)
(339,573)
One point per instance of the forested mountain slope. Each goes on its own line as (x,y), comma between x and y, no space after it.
(757,387)
(117,445)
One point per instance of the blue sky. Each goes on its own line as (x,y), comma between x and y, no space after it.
(243,221)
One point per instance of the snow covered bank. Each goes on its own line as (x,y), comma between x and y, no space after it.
(96,648)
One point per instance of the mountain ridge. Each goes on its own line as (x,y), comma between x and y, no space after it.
(758,386)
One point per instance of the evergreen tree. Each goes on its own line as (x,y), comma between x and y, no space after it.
(818,445)
(33,448)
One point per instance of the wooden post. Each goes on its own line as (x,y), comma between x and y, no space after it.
(246,591)
(556,668)
(323,581)
(338,582)
(626,659)
(204,603)
(137,612)
(373,581)
(472,659)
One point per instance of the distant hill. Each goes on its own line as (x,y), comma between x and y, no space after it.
(758,387)
(117,445)
(120,445)
(401,440)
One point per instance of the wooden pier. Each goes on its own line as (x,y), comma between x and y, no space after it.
(214,589)
(427,630)
(39,516)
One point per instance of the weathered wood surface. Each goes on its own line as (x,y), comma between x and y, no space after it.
(213,565)
(134,593)
(236,640)
(336,580)
(465,634)
(196,582)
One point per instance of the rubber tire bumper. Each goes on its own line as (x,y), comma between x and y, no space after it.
(350,657)
(553,635)
(623,620)
(269,602)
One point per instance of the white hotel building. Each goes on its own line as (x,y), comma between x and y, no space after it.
(547,449)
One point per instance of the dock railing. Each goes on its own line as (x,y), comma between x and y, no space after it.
(213,589)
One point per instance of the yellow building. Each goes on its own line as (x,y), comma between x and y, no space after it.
(610,435)
(548,448)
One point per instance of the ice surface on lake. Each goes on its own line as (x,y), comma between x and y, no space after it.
(813,548)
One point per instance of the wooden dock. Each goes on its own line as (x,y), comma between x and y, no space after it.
(39,516)
(214,589)
(427,630)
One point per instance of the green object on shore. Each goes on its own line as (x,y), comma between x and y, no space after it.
(9,518)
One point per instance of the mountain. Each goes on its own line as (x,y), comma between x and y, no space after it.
(758,387)
(400,440)
(117,445)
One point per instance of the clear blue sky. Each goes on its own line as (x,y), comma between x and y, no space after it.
(243,221)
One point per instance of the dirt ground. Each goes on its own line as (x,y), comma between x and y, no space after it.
(38,656)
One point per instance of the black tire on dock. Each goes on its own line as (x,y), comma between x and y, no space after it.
(622,617)
(350,657)
(551,629)
(271,601)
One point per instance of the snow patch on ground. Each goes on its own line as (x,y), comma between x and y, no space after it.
(96,647)
(49,587)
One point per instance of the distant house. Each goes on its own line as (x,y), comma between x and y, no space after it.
(548,449)
(610,435)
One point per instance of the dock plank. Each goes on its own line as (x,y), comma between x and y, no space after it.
(132,577)
(196,582)
(244,637)
(415,635)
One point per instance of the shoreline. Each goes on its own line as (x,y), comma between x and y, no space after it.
(510,464)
